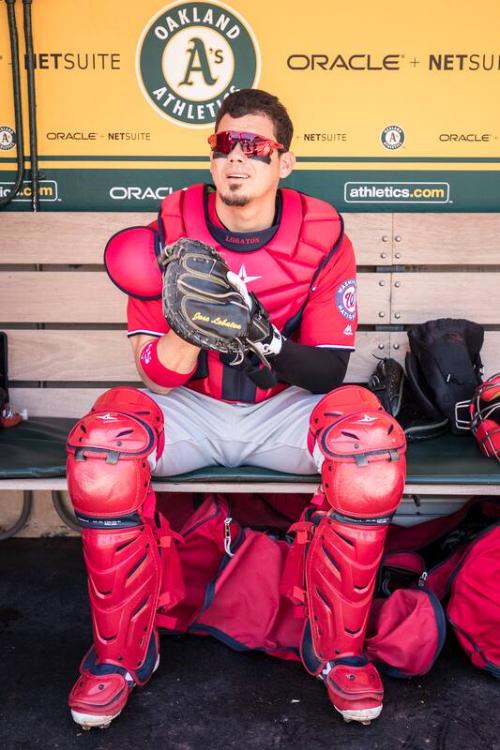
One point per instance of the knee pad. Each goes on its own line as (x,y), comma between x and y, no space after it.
(361,452)
(108,450)
(336,404)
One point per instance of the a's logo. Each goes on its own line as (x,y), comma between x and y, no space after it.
(348,330)
(345,299)
(392,137)
(7,138)
(191,56)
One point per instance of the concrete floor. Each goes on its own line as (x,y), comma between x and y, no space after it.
(205,696)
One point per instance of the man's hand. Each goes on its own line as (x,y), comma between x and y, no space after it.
(263,337)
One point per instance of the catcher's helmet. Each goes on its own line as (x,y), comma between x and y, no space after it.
(485,416)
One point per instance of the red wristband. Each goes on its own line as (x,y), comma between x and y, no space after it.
(157,372)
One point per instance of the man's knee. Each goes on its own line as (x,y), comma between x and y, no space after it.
(360,451)
(108,454)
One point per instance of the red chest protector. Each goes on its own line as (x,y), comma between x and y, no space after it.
(280,272)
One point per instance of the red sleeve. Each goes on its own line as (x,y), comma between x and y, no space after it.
(330,317)
(145,317)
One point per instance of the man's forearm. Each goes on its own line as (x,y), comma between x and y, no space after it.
(176,354)
(317,369)
(165,363)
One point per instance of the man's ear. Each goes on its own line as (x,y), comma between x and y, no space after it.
(287,163)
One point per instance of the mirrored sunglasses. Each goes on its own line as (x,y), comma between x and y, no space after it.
(252,145)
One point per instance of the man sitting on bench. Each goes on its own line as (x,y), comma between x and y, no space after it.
(218,410)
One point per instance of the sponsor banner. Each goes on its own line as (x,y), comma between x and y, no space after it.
(47,191)
(386,191)
(413,89)
(351,191)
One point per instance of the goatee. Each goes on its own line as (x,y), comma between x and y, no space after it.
(235,200)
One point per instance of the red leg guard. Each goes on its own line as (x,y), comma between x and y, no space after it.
(363,472)
(124,578)
(341,568)
(109,480)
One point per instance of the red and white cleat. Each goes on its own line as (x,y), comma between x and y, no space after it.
(101,691)
(98,699)
(356,691)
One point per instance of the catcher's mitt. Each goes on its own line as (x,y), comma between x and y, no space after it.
(390,384)
(387,382)
(199,301)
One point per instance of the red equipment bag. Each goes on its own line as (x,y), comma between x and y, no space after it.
(233,579)
(457,560)
(406,632)
(474,604)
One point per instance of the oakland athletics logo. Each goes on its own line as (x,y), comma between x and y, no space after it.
(191,56)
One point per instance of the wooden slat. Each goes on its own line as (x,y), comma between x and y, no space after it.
(423,238)
(490,352)
(447,239)
(100,356)
(70,355)
(371,236)
(465,489)
(54,402)
(73,402)
(61,237)
(417,297)
(90,297)
(60,297)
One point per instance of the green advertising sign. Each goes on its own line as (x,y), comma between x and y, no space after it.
(357,191)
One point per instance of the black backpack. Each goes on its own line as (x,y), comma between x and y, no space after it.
(444,368)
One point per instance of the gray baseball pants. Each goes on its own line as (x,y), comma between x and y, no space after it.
(201,431)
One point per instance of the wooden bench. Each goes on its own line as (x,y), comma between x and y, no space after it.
(66,327)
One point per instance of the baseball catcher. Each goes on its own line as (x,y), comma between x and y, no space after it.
(241,313)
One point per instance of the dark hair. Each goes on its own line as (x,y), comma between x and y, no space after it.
(255,101)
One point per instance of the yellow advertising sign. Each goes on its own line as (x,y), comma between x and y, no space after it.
(368,86)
